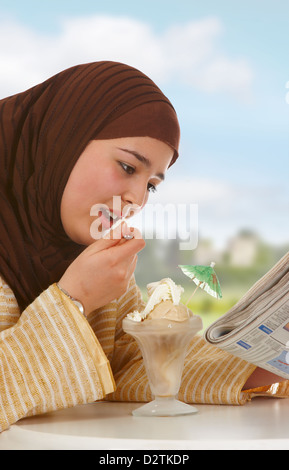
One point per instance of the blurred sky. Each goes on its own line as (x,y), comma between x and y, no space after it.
(224,65)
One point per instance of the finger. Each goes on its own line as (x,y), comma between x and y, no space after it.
(132,267)
(113,242)
(122,230)
(114,237)
(116,231)
(127,249)
(129,266)
(134,232)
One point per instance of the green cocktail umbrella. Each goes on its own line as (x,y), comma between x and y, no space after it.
(204,277)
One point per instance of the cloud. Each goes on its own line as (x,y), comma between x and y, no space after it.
(187,54)
(223,208)
(205,191)
(191,205)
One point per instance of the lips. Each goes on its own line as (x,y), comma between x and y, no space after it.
(108,217)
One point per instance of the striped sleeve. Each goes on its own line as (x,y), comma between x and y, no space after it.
(50,359)
(9,310)
(214,376)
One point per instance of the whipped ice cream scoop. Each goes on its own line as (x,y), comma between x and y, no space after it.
(163,302)
(170,311)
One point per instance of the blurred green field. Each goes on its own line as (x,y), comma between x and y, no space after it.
(210,309)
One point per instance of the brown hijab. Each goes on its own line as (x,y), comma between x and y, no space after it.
(43,131)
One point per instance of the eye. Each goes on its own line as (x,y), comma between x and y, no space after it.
(130,170)
(127,168)
(152,188)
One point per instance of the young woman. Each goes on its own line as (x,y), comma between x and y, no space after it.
(86,135)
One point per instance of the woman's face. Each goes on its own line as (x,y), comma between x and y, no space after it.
(129,168)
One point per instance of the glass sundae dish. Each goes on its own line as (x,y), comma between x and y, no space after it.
(163,331)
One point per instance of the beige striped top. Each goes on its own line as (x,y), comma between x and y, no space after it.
(52,357)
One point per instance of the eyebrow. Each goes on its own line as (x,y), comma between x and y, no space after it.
(145,161)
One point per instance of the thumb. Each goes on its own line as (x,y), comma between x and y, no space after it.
(111,238)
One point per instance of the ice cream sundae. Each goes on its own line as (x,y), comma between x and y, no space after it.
(163,330)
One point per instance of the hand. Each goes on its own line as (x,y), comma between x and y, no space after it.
(101,273)
(261,378)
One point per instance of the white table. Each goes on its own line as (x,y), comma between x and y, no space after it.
(261,424)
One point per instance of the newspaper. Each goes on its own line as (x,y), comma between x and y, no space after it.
(256,329)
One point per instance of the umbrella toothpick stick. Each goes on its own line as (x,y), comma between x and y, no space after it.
(193,293)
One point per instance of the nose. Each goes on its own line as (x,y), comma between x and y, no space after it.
(136,195)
